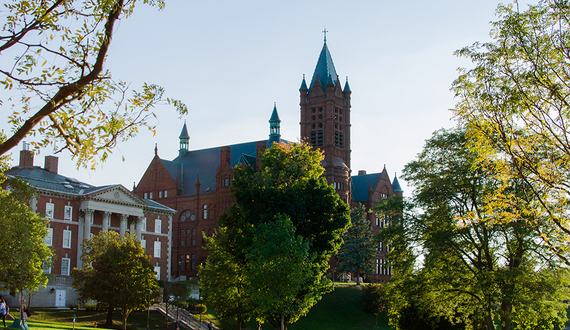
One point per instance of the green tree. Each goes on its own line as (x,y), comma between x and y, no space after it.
(24,252)
(53,54)
(375,300)
(278,269)
(288,182)
(475,270)
(515,107)
(358,252)
(116,272)
(223,283)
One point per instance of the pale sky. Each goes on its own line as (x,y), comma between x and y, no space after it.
(229,61)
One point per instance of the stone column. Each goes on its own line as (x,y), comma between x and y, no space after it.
(80,232)
(88,221)
(106,220)
(123,228)
(139,226)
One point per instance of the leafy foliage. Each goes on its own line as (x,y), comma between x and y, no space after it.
(358,252)
(54,54)
(474,270)
(514,104)
(288,183)
(23,240)
(116,272)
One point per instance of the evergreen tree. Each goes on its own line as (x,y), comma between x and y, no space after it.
(358,252)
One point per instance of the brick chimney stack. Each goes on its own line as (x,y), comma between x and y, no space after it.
(26,156)
(51,163)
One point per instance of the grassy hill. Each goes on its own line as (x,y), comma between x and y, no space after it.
(340,309)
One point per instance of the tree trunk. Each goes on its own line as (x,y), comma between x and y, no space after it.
(239,322)
(109,321)
(489,322)
(357,278)
(282,322)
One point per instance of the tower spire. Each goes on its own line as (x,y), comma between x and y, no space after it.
(184,140)
(325,33)
(274,127)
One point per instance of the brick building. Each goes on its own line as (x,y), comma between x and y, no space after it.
(197,182)
(77,211)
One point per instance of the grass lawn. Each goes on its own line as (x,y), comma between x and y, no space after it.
(50,319)
(340,309)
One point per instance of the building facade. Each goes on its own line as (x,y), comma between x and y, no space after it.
(197,182)
(77,211)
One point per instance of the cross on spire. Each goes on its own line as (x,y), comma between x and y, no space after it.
(325,33)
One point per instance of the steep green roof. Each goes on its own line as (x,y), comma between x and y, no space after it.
(396,185)
(346,87)
(324,70)
(184,134)
(274,115)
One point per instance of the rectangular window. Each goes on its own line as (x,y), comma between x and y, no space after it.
(193,240)
(49,237)
(165,193)
(49,210)
(157,272)
(377,221)
(187,240)
(181,232)
(65,265)
(67,213)
(181,241)
(150,195)
(67,239)
(46,266)
(157,249)
(143,244)
(145,196)
(157,226)
(160,194)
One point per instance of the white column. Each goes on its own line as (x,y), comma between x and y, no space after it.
(88,221)
(80,230)
(139,227)
(169,242)
(106,220)
(123,228)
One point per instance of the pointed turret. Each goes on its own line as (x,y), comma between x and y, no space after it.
(346,86)
(324,71)
(184,140)
(303,83)
(274,128)
(396,186)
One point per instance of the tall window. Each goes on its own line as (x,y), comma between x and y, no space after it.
(157,272)
(46,266)
(65,265)
(67,213)
(49,237)
(205,212)
(160,194)
(49,210)
(157,226)
(165,193)
(157,249)
(143,244)
(67,239)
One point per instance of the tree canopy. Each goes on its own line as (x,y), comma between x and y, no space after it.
(288,183)
(514,104)
(468,268)
(116,272)
(24,252)
(53,54)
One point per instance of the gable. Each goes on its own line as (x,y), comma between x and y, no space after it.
(116,194)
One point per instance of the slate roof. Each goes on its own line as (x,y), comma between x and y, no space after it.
(360,185)
(204,162)
(324,70)
(274,115)
(396,184)
(57,183)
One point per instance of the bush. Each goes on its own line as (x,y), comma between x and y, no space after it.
(200,308)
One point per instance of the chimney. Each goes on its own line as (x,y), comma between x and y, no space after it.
(26,156)
(361,172)
(51,163)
